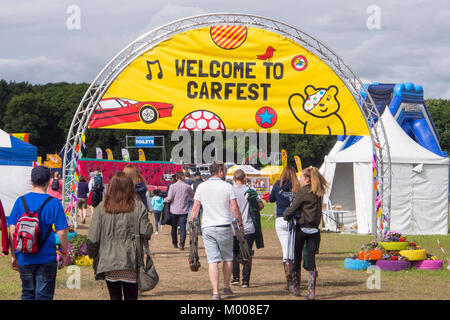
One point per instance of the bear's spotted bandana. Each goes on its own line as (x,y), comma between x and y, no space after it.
(314,99)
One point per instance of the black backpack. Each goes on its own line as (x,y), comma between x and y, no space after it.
(97,188)
(98,183)
(55,184)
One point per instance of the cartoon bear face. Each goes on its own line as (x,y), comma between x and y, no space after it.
(321,102)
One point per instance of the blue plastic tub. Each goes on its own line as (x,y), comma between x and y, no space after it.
(356,264)
(70,236)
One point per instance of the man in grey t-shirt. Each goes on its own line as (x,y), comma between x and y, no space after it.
(219,208)
(240,188)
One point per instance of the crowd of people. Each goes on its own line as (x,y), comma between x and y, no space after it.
(122,211)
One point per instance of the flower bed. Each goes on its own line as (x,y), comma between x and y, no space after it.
(393,236)
(78,251)
(394,253)
(394,245)
(370,251)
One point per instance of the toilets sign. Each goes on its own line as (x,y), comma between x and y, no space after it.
(144,142)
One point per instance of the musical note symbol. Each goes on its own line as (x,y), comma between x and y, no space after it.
(149,75)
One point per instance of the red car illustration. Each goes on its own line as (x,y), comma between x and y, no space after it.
(119,110)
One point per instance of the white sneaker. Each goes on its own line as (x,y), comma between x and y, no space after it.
(156,232)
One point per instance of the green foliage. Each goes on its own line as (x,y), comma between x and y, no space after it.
(46,112)
(440,113)
(77,247)
(77,241)
(310,148)
(27,113)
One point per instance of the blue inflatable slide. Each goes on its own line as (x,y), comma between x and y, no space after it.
(408,107)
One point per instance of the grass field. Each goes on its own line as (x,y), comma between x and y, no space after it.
(177,282)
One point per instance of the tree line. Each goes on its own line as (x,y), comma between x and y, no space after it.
(46,112)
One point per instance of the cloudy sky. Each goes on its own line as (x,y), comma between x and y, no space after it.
(410,43)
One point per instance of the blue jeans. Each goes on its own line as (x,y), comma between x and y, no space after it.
(38,281)
(247,268)
(157,219)
(178,220)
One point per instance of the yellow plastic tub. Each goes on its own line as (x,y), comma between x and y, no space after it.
(394,245)
(414,255)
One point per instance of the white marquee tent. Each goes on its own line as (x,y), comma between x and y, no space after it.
(249,170)
(419,188)
(16,162)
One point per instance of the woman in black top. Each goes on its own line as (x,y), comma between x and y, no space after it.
(308,203)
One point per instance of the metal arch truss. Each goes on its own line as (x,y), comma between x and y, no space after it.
(112,70)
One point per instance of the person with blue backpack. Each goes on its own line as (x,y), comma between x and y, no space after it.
(97,190)
(34,245)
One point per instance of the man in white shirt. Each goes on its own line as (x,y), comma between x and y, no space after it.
(219,205)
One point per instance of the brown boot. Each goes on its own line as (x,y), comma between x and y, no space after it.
(312,285)
(288,272)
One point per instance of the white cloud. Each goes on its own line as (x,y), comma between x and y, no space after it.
(170,13)
(411,45)
(446,95)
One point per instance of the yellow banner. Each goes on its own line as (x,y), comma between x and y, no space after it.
(109,154)
(230,77)
(141,155)
(21,136)
(298,162)
(284,158)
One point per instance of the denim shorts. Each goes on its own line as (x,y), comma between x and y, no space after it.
(218,242)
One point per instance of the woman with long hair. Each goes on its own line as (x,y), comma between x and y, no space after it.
(112,237)
(55,186)
(283,192)
(308,203)
(139,185)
